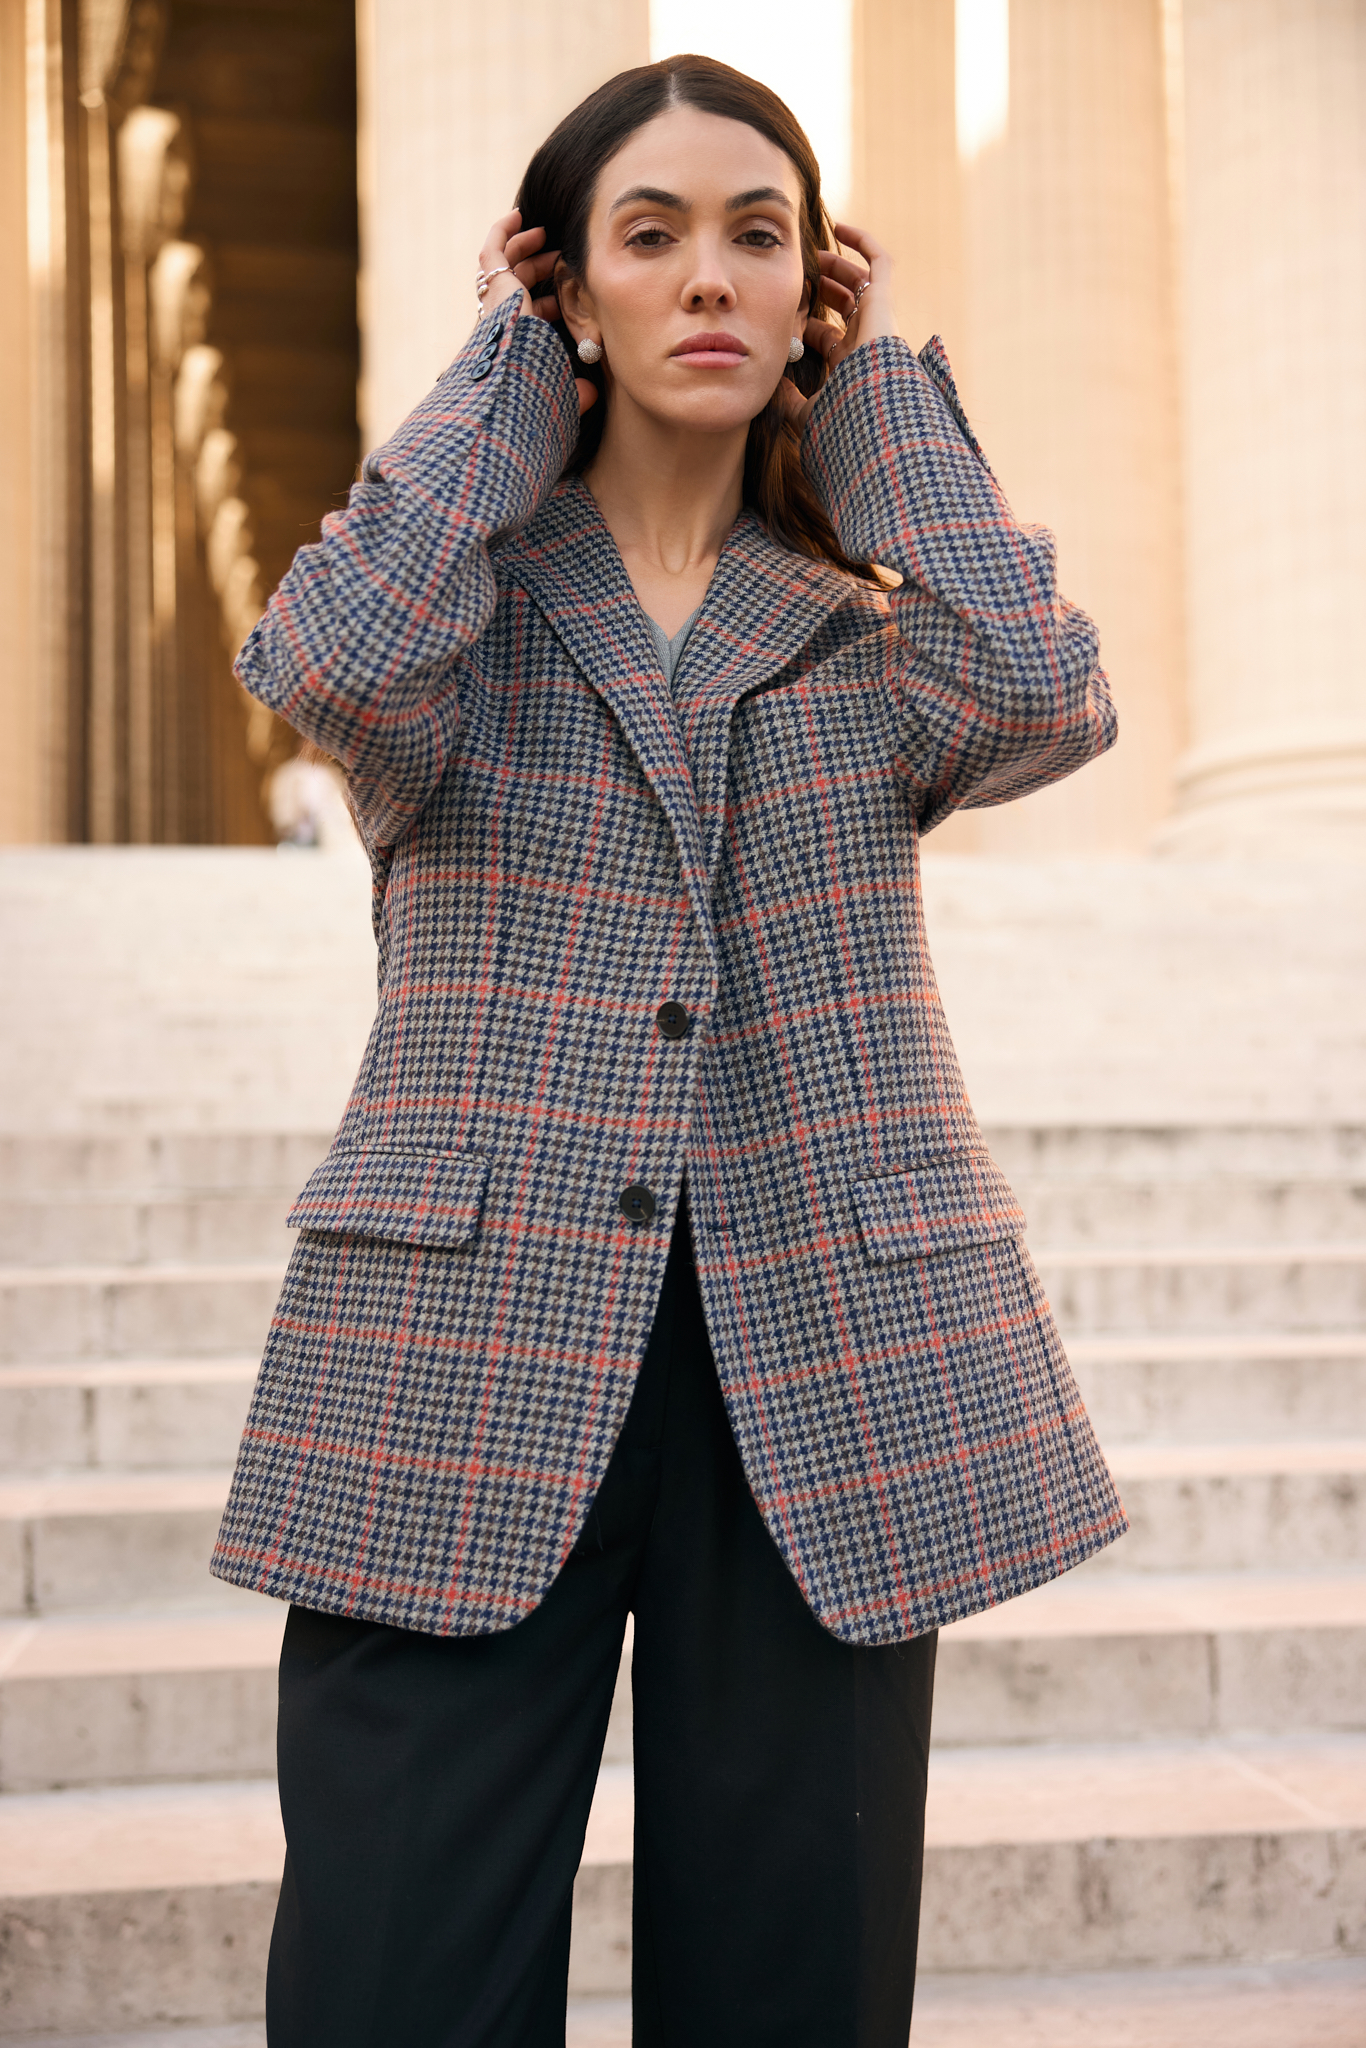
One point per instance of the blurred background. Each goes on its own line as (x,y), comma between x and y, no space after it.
(237,243)
(1137,224)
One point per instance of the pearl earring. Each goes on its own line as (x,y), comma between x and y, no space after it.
(796,349)
(590,351)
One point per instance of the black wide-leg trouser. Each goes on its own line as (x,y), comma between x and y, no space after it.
(435,1789)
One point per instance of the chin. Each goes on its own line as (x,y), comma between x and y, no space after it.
(716,412)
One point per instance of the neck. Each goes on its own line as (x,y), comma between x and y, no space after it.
(668,496)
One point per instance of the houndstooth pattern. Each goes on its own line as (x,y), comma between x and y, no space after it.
(560,845)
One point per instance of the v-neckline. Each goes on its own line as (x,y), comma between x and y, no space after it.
(670,647)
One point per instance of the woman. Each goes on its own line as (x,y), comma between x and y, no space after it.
(658,1266)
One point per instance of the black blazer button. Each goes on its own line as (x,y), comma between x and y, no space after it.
(673,1020)
(636,1204)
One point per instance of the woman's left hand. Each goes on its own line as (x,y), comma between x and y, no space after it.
(858,289)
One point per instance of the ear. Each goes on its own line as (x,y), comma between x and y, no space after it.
(576,304)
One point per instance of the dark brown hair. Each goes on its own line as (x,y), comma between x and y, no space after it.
(557,194)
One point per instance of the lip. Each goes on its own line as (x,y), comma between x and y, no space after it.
(718,351)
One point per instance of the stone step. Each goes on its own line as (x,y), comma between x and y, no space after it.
(75,1313)
(232,988)
(1249,2005)
(77,1542)
(164,1412)
(1212,1388)
(1267,2005)
(72,1542)
(131,1415)
(158,1412)
(146,1166)
(1193,1184)
(1128,1161)
(1293,1506)
(147,1697)
(133,1903)
(154,1902)
(137,1904)
(1091,1658)
(139,1698)
(151,1696)
(139,1227)
(70,1200)
(1191,1290)
(111,1229)
(1067,1152)
(235,2034)
(120,1699)
(1162,1853)
(1212,1210)
(1116,1855)
(167,1412)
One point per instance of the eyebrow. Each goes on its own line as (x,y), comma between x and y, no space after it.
(769,195)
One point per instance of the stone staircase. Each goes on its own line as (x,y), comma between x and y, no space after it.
(1158,1762)
(1161,1759)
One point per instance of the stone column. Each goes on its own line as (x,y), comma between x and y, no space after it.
(1060,321)
(455,96)
(1276,438)
(20,747)
(44,699)
(907,187)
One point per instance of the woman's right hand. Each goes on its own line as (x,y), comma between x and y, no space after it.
(530,267)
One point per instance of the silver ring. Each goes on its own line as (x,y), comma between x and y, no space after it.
(859,293)
(484,278)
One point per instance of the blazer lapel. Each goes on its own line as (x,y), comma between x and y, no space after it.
(763,605)
(569,563)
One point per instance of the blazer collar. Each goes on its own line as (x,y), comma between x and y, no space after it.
(762,605)
(569,562)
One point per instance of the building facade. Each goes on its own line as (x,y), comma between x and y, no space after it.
(180,252)
(1149,266)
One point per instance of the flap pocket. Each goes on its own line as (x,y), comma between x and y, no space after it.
(937,1205)
(411,1197)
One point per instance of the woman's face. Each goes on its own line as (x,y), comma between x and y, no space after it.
(694,278)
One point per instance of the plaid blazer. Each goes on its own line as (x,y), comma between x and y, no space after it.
(573,867)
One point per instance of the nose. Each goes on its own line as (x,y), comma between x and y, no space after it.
(710,283)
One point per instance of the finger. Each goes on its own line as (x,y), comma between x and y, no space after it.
(495,241)
(830,319)
(519,246)
(860,239)
(837,296)
(532,269)
(588,394)
(843,270)
(822,337)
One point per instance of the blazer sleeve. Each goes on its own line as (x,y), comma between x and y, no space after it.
(999,690)
(357,647)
